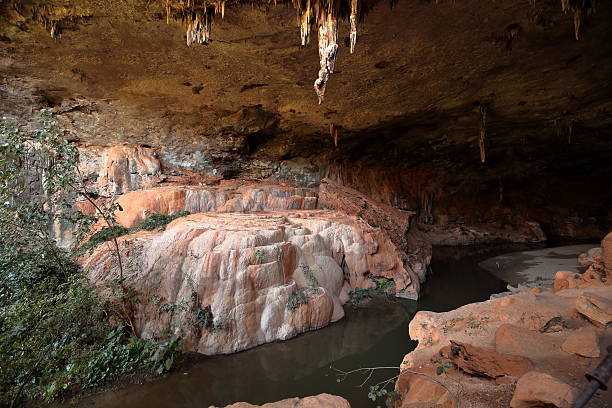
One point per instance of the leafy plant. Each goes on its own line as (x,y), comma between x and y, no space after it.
(156,221)
(297,299)
(442,366)
(357,295)
(310,276)
(259,255)
(54,330)
(104,235)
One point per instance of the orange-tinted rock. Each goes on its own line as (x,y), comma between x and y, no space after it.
(587,258)
(520,341)
(566,280)
(483,362)
(419,391)
(583,342)
(317,401)
(228,197)
(536,389)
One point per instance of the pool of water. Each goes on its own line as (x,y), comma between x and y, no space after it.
(371,336)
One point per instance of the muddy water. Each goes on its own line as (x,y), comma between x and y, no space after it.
(373,335)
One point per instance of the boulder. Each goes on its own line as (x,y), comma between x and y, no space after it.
(583,342)
(597,309)
(536,389)
(317,401)
(566,280)
(482,362)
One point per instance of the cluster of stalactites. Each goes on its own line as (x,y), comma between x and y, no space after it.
(324,13)
(198,28)
(197,15)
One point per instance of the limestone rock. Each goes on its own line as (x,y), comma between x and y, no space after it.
(482,362)
(536,389)
(224,282)
(583,342)
(317,401)
(597,309)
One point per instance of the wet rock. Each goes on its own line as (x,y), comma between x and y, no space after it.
(536,389)
(317,401)
(582,342)
(597,309)
(482,362)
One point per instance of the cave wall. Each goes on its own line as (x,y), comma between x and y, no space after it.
(400,121)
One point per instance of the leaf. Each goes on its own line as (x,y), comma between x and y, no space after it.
(439,370)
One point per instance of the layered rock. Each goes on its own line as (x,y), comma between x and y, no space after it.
(234,196)
(228,282)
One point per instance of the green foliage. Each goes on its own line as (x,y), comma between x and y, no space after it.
(310,276)
(156,221)
(442,366)
(259,255)
(383,284)
(378,391)
(297,299)
(104,235)
(357,295)
(54,332)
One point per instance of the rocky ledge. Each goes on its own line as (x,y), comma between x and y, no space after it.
(529,349)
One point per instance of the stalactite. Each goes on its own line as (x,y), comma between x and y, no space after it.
(577,23)
(483,130)
(198,28)
(334,132)
(353,21)
(327,22)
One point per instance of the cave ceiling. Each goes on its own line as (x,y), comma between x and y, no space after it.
(426,77)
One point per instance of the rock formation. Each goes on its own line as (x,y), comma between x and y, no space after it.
(231,281)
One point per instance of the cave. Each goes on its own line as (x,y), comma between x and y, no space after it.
(271,163)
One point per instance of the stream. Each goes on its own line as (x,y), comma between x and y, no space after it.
(373,335)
